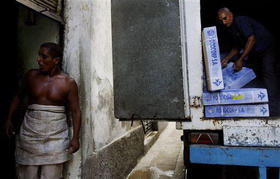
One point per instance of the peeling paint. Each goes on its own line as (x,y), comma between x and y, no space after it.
(251,136)
(88,59)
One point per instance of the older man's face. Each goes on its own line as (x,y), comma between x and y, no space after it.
(45,61)
(226,18)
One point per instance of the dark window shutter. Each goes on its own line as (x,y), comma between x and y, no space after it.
(147,60)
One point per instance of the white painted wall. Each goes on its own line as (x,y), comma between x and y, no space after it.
(88,59)
(195,71)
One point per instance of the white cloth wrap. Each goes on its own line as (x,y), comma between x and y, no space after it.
(43,137)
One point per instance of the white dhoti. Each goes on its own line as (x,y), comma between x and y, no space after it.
(43,137)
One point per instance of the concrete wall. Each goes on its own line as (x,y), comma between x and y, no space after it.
(88,59)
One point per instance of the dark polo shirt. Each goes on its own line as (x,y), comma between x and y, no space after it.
(243,27)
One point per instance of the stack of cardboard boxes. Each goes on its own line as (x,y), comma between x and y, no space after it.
(225,96)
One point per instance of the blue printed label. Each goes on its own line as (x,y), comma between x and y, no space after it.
(212,59)
(259,110)
(235,96)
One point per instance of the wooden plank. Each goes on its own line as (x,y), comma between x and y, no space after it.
(243,156)
(41,10)
(251,136)
(53,1)
(59,7)
(50,1)
(45,4)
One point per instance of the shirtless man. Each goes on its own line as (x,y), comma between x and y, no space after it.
(43,140)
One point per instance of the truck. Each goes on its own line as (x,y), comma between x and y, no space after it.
(158,69)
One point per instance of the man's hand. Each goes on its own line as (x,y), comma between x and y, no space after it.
(224,62)
(238,65)
(74,146)
(9,128)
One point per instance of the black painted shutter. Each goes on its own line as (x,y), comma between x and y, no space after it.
(147,60)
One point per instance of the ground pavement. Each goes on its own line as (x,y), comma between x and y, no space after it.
(164,160)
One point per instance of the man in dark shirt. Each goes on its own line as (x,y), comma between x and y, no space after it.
(255,43)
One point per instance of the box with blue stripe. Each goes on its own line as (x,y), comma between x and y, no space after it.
(254,110)
(236,96)
(212,59)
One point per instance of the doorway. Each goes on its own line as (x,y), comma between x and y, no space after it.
(9,81)
(23,31)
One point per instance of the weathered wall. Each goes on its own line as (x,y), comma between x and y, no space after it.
(88,59)
(116,159)
(147,56)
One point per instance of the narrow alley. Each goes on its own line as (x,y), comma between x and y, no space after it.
(164,159)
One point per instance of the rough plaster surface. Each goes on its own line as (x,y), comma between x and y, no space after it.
(88,59)
(251,136)
(71,65)
(116,159)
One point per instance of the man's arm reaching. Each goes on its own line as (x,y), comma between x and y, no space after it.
(247,49)
(234,51)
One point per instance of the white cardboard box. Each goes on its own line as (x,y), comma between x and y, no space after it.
(235,96)
(212,59)
(258,110)
(236,80)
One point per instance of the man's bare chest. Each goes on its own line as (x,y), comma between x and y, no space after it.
(50,89)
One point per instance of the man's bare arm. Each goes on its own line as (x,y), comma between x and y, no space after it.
(247,49)
(15,103)
(234,51)
(73,99)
